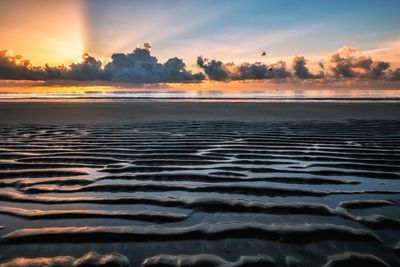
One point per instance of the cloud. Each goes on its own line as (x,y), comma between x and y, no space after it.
(17,68)
(140,67)
(214,69)
(388,51)
(88,70)
(219,71)
(136,67)
(301,71)
(349,62)
(346,64)
(147,46)
(394,75)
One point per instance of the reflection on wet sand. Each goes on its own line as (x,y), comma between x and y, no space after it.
(261,194)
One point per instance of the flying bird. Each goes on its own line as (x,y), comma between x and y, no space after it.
(264,54)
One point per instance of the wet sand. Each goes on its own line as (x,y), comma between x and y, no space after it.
(128,112)
(208,184)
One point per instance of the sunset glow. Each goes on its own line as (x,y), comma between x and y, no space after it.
(43,31)
(309,47)
(219,133)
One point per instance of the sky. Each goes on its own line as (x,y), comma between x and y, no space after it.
(59,32)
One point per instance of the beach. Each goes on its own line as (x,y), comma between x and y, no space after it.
(215,183)
(120,112)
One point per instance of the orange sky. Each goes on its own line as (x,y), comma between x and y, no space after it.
(59,31)
(42,32)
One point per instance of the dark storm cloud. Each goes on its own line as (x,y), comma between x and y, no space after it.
(17,68)
(301,71)
(219,71)
(394,75)
(214,69)
(88,70)
(136,67)
(141,67)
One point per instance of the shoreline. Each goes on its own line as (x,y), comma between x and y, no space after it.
(201,99)
(125,112)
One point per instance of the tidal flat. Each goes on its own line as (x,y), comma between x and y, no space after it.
(199,184)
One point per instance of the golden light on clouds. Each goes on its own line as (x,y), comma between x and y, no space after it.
(186,48)
(389,51)
(43,31)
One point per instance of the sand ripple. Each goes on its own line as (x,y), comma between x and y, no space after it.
(297,192)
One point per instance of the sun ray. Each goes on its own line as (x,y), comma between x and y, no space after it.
(54,37)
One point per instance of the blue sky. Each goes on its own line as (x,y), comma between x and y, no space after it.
(231,30)
(239,30)
(310,40)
